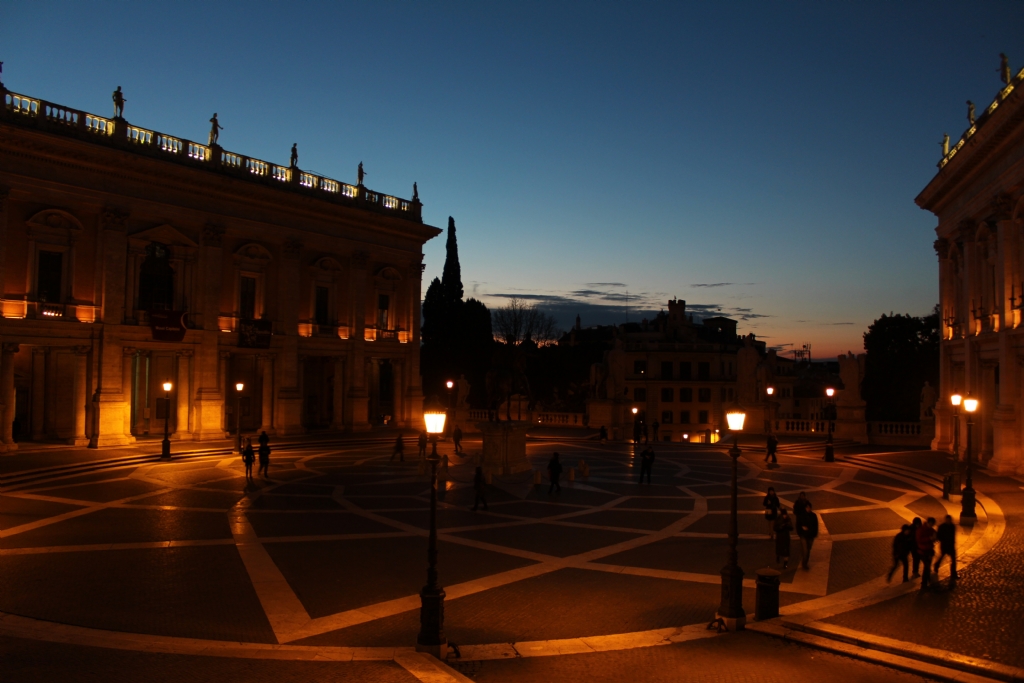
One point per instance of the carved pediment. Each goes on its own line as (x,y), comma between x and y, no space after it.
(54,222)
(253,255)
(164,234)
(388,273)
(327,264)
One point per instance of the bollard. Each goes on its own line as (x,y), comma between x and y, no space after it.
(584,468)
(572,474)
(536,477)
(767,595)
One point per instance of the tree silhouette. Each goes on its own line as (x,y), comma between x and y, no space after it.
(902,354)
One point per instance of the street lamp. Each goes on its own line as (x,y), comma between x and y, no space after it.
(165,451)
(431,637)
(451,401)
(770,391)
(956,399)
(830,415)
(238,416)
(730,611)
(967,501)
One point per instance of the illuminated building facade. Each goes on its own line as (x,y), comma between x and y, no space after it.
(129,258)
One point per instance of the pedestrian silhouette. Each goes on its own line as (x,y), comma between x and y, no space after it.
(782,527)
(554,472)
(457,438)
(399,450)
(807,530)
(248,458)
(946,535)
(421,443)
(646,464)
(772,505)
(264,455)
(773,445)
(914,554)
(926,549)
(479,483)
(902,543)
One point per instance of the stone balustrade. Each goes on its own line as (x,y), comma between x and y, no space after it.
(55,117)
(969,133)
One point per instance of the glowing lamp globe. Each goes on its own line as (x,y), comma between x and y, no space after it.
(830,392)
(239,386)
(634,411)
(449,384)
(434,416)
(956,399)
(970,404)
(770,390)
(167,386)
(735,420)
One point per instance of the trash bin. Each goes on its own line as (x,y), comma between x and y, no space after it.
(767,596)
(951,485)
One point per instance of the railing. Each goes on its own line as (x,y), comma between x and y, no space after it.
(901,433)
(386,335)
(569,419)
(802,426)
(50,310)
(65,117)
(895,428)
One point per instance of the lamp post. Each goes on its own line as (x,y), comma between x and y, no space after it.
(730,611)
(165,451)
(956,399)
(769,392)
(967,500)
(636,430)
(431,637)
(451,403)
(830,415)
(238,416)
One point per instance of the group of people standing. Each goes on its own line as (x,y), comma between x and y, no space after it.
(781,526)
(249,456)
(916,541)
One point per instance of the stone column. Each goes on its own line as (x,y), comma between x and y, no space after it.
(208,415)
(182,392)
(266,365)
(357,405)
(4,194)
(338,418)
(80,396)
(38,392)
(115,255)
(8,396)
(943,440)
(127,387)
(288,408)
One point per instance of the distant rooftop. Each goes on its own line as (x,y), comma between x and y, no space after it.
(117,132)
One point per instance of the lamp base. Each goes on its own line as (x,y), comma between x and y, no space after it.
(732,623)
(440,650)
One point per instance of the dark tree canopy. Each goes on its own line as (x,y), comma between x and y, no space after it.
(902,354)
(518,321)
(451,278)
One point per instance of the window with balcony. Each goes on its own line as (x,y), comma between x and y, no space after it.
(321,306)
(156,280)
(247,297)
(666,395)
(383,307)
(704,395)
(50,277)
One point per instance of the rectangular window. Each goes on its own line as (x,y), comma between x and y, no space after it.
(639,394)
(247,298)
(686,371)
(702,417)
(721,394)
(666,369)
(383,305)
(322,308)
(731,394)
(684,417)
(704,395)
(703,370)
(666,417)
(639,367)
(686,395)
(666,395)
(50,276)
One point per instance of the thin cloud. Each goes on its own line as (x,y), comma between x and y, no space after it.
(605,284)
(714,284)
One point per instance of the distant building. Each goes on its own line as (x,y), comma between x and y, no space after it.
(130,258)
(978,197)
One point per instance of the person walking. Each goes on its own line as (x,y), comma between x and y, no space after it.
(248,458)
(603,434)
(264,455)
(800,505)
(782,528)
(636,432)
(421,443)
(655,427)
(773,445)
(807,530)
(479,482)
(915,526)
(644,427)
(772,505)
(554,472)
(646,464)
(902,543)
(399,450)
(457,439)
(946,535)
(926,549)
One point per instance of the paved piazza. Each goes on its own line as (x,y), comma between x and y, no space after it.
(326,558)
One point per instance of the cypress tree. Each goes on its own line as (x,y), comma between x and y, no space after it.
(451,278)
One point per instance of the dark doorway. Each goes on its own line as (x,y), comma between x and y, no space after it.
(386,393)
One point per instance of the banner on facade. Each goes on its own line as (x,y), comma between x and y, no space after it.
(167,325)
(255,334)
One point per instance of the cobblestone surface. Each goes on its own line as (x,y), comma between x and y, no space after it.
(981,616)
(26,661)
(736,658)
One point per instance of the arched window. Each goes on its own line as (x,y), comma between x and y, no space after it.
(156,280)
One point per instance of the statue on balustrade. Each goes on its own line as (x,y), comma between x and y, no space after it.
(928,399)
(361,173)
(215,129)
(415,193)
(1004,68)
(945,145)
(294,162)
(119,101)
(970,112)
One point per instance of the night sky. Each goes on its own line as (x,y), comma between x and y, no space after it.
(758,159)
